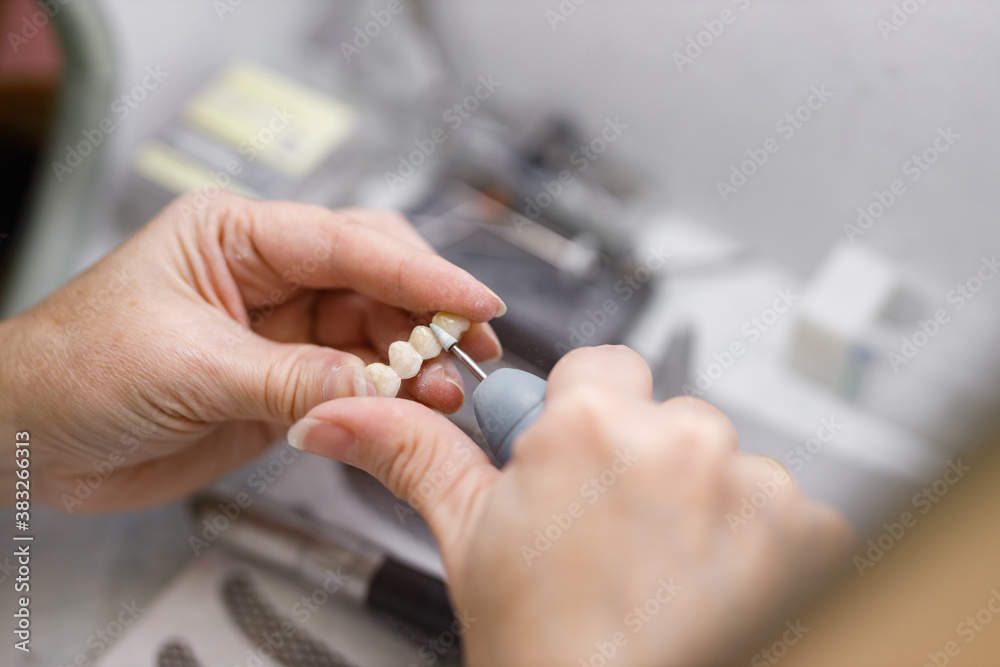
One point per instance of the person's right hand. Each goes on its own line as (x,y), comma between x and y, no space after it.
(614,529)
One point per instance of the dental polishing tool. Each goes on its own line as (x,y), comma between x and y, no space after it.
(506,401)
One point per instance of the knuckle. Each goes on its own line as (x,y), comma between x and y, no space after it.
(287,387)
(396,218)
(768,486)
(578,419)
(204,206)
(581,402)
(584,355)
(690,432)
(345,218)
(574,356)
(690,452)
(834,531)
(408,465)
(691,404)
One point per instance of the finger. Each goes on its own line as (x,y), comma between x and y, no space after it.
(689,409)
(390,223)
(611,368)
(828,533)
(160,480)
(278,242)
(341,318)
(763,484)
(481,343)
(346,318)
(289,322)
(421,457)
(349,318)
(258,379)
(438,384)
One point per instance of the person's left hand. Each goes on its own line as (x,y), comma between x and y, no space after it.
(189,349)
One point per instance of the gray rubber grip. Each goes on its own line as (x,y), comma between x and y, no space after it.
(507,402)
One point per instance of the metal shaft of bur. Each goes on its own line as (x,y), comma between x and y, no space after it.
(450,344)
(468,362)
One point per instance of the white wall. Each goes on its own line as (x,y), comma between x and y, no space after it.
(941,69)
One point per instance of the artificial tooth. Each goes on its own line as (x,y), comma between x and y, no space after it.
(385,380)
(456,325)
(404,359)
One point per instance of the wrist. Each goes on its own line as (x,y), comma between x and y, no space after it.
(18,380)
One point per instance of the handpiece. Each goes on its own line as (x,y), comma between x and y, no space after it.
(506,401)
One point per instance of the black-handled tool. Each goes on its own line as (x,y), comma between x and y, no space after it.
(324,556)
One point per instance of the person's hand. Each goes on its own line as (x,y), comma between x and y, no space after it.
(189,349)
(618,527)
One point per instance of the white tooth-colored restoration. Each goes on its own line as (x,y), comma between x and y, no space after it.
(404,359)
(456,325)
(423,341)
(385,380)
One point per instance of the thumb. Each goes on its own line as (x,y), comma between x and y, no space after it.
(262,380)
(419,455)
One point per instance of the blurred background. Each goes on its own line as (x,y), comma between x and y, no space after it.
(787,208)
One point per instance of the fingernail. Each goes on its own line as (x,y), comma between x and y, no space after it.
(347,381)
(457,383)
(498,355)
(777,465)
(501,306)
(322,437)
